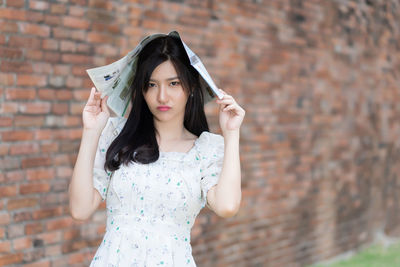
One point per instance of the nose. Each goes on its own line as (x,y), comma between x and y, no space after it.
(162,96)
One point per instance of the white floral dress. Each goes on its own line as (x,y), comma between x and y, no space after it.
(151,208)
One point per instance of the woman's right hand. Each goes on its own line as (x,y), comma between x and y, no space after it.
(95,113)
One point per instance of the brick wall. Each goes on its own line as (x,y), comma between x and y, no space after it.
(320,143)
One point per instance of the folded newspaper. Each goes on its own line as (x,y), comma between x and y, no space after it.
(116,78)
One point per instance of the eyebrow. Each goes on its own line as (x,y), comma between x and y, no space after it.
(169,79)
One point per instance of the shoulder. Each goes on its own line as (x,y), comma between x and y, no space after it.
(210,143)
(208,138)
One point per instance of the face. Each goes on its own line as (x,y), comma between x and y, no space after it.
(165,96)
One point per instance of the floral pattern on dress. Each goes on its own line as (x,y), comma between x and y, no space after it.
(151,208)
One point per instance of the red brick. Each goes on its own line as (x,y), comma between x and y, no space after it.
(47,94)
(34,55)
(76,59)
(50,237)
(19,67)
(22,243)
(76,109)
(12,14)
(74,82)
(41,263)
(16,135)
(47,213)
(71,234)
(68,46)
(31,80)
(25,42)
(5,247)
(79,71)
(62,70)
(35,108)
(74,22)
(14,204)
(15,176)
(58,9)
(64,172)
(43,134)
(50,44)
(83,48)
(4,218)
(61,108)
(6,121)
(48,148)
(77,11)
(64,94)
(28,121)
(34,188)
(8,107)
(10,258)
(52,57)
(59,224)
(36,162)
(101,38)
(16,3)
(34,29)
(2,232)
(34,228)
(38,5)
(8,27)
(53,20)
(4,148)
(11,53)
(18,93)
(24,149)
(7,79)
(39,174)
(8,191)
(22,216)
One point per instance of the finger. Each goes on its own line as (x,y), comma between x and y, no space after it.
(91,109)
(222,91)
(230,107)
(226,101)
(91,95)
(104,106)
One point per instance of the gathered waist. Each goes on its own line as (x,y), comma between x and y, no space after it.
(140,223)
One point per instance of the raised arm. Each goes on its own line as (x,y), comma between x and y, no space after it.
(225,197)
(83,198)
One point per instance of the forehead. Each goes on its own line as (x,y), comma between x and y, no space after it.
(165,70)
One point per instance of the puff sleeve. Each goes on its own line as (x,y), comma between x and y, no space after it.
(101,178)
(212,158)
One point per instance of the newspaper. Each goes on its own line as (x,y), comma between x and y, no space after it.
(116,78)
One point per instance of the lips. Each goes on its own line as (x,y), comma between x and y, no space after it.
(163,108)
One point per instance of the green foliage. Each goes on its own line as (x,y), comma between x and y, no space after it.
(374,256)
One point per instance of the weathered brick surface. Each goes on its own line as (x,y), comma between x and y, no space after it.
(320,146)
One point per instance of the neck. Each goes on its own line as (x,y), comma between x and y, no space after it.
(169,131)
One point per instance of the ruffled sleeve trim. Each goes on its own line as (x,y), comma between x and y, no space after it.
(101,178)
(211,155)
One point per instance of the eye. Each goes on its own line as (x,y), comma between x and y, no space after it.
(151,85)
(175,83)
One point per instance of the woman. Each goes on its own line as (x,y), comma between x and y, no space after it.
(159,167)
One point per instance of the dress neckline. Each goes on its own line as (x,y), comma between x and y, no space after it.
(182,153)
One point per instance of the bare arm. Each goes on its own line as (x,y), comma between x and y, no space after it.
(83,197)
(225,197)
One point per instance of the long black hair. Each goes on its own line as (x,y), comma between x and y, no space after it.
(137,141)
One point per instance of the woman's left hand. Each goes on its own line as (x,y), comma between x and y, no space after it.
(230,114)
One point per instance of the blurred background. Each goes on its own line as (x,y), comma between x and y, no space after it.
(320,146)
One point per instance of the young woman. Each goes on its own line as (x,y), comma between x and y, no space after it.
(159,167)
